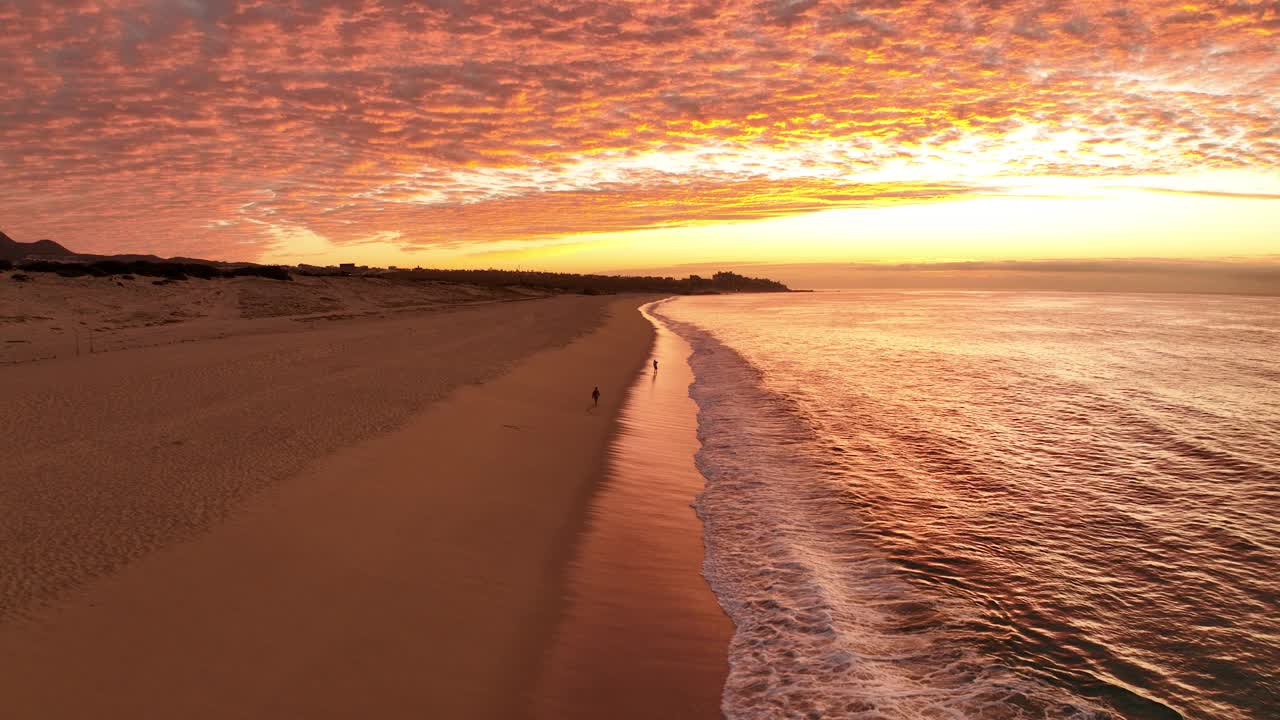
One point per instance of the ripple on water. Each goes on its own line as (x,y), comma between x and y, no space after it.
(997,506)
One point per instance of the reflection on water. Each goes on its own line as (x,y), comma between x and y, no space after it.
(993,505)
(643,636)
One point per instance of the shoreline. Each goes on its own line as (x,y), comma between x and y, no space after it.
(389,578)
(643,635)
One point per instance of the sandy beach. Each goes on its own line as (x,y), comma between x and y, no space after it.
(44,316)
(370,516)
(641,636)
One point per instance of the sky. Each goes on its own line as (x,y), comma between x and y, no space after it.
(595,135)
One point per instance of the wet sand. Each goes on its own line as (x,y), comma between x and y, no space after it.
(414,573)
(642,636)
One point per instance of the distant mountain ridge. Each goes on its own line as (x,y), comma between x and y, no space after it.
(14,251)
(11,249)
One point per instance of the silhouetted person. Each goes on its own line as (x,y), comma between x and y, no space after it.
(595,396)
(655,366)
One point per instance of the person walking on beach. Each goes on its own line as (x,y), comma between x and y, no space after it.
(655,366)
(595,396)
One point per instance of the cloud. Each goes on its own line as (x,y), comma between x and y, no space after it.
(1216,193)
(203,126)
(1142,266)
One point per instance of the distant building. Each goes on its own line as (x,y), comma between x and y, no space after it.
(347,267)
(318,270)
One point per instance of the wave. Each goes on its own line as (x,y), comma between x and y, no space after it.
(827,624)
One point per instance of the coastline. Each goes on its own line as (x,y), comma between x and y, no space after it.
(642,636)
(414,571)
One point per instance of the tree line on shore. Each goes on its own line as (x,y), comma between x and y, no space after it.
(720,282)
(147,268)
(55,258)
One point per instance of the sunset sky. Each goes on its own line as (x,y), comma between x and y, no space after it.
(616,135)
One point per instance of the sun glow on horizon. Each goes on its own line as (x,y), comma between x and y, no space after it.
(1034,218)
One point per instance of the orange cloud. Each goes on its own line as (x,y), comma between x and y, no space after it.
(197,127)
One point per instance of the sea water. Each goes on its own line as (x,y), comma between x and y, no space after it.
(991,505)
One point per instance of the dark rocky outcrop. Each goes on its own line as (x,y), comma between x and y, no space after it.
(11,249)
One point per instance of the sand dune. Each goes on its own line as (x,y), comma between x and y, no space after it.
(48,316)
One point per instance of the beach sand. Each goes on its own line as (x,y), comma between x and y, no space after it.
(113,455)
(369,518)
(48,316)
(642,636)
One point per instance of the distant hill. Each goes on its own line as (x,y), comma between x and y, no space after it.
(11,249)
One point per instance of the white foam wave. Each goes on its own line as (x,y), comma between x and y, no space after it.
(826,625)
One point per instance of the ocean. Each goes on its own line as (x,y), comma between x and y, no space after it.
(991,505)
